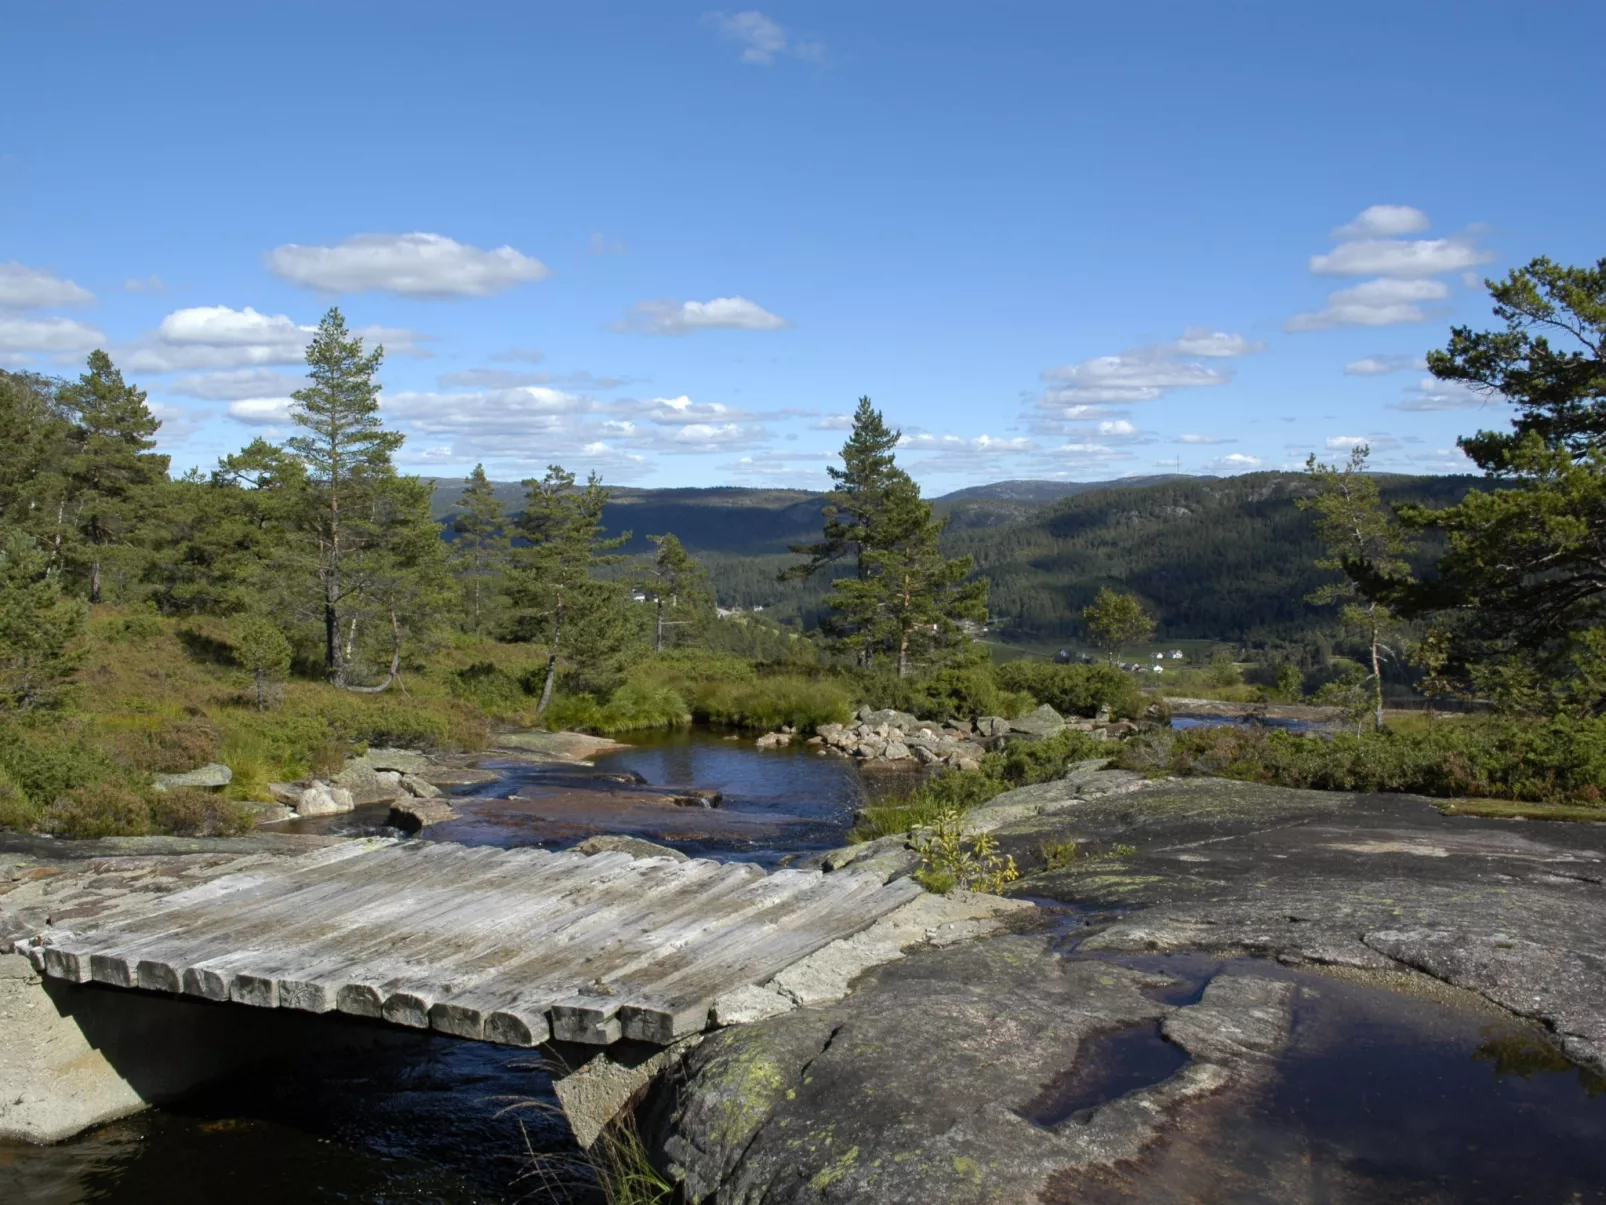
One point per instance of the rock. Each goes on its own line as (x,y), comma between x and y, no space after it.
(774,740)
(418,788)
(636,847)
(214,774)
(990,726)
(453,776)
(403,761)
(919,1086)
(893,720)
(390,780)
(366,784)
(286,793)
(1102,716)
(966,763)
(414,815)
(565,747)
(925,755)
(1038,725)
(896,750)
(323,799)
(698,797)
(833,734)
(748,1004)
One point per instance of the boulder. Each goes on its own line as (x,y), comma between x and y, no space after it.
(269,813)
(896,751)
(324,799)
(367,784)
(1038,725)
(698,797)
(286,793)
(925,755)
(636,847)
(418,788)
(774,740)
(414,815)
(900,721)
(214,774)
(990,726)
(403,761)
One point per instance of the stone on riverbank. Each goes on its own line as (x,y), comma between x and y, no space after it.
(636,847)
(415,815)
(572,748)
(324,799)
(214,774)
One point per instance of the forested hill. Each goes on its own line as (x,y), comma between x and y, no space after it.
(1216,558)
(1222,558)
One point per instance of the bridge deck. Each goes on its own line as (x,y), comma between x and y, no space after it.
(511,946)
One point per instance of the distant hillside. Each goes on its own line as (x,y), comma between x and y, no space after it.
(1214,558)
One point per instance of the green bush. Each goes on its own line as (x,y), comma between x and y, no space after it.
(158,743)
(1559,761)
(633,707)
(773,701)
(494,690)
(958,692)
(1018,764)
(17,811)
(105,809)
(44,763)
(190,813)
(1075,689)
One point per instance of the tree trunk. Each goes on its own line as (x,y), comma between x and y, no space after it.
(903,655)
(94,580)
(1377,682)
(395,662)
(658,635)
(334,664)
(551,662)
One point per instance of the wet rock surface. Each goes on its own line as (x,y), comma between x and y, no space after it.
(919,1087)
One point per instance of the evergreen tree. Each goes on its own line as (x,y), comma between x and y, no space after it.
(39,629)
(34,433)
(1114,620)
(482,542)
(111,473)
(908,601)
(264,653)
(583,621)
(1519,599)
(1367,546)
(346,451)
(676,584)
(861,486)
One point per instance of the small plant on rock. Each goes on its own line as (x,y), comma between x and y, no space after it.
(951,859)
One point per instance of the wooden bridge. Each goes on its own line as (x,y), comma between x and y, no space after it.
(511,946)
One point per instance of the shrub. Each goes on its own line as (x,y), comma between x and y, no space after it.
(1562,760)
(45,763)
(494,690)
(191,813)
(950,859)
(17,811)
(105,809)
(1074,689)
(1019,764)
(804,703)
(958,692)
(156,742)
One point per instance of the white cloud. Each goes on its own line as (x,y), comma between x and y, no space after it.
(833,422)
(145,284)
(1379,365)
(1384,221)
(682,317)
(1379,302)
(1145,373)
(1343,443)
(1233,462)
(1204,439)
(761,38)
(235,386)
(1398,257)
(412,265)
(218,338)
(261,411)
(57,336)
(1138,376)
(1118,429)
(678,411)
(25,288)
(1202,341)
(989,445)
(1430,393)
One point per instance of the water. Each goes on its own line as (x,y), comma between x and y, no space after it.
(1281,722)
(1381,1096)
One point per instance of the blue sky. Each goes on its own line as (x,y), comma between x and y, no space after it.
(675,244)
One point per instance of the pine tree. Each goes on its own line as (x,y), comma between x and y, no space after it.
(264,653)
(676,582)
(860,489)
(111,473)
(39,629)
(909,599)
(346,451)
(482,541)
(34,433)
(1367,546)
(582,620)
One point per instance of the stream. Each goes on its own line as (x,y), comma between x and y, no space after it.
(1435,1101)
